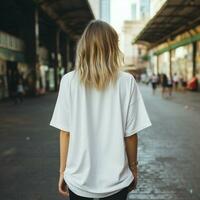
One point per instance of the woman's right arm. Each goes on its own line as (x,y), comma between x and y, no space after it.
(64,144)
(131,144)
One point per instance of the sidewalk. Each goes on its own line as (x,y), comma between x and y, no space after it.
(190,100)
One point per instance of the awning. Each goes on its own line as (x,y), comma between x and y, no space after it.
(8,54)
(71,16)
(174,17)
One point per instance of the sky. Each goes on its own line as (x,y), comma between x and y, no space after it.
(120,11)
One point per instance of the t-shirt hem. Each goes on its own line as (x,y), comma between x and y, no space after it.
(137,129)
(59,126)
(83,193)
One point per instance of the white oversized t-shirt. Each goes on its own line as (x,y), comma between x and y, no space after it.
(98,121)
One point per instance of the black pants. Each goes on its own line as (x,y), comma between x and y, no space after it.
(121,195)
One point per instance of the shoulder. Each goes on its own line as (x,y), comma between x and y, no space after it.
(65,80)
(126,75)
(68,75)
(126,78)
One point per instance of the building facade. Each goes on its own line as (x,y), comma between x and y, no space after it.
(144,9)
(182,54)
(105,10)
(134,54)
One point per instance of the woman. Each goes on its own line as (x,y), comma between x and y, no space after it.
(99,111)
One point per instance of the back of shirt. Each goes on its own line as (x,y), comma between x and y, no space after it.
(98,121)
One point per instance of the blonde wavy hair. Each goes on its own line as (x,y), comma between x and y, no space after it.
(98,57)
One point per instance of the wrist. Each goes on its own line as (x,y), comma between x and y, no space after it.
(133,165)
(61,171)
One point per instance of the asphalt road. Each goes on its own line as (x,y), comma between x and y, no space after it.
(169,155)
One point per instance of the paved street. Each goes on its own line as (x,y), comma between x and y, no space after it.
(169,156)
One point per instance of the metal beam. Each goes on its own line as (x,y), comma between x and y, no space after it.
(72,11)
(157,32)
(183,6)
(175,16)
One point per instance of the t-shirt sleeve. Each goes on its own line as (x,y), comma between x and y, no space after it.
(137,116)
(60,117)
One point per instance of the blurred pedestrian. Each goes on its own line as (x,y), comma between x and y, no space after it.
(154,81)
(159,79)
(13,79)
(99,125)
(176,81)
(183,83)
(164,83)
(170,86)
(20,91)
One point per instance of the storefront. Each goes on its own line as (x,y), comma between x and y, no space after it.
(164,63)
(3,80)
(167,35)
(182,63)
(11,59)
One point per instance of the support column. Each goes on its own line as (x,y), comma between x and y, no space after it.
(68,54)
(57,46)
(37,32)
(194,54)
(37,67)
(170,64)
(64,52)
(157,63)
(28,34)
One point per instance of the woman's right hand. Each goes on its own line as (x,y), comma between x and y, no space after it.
(62,186)
(133,184)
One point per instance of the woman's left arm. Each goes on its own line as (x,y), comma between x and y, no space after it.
(64,144)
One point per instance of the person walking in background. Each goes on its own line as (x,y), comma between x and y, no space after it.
(99,111)
(176,81)
(154,81)
(13,80)
(164,83)
(20,90)
(170,86)
(159,79)
(183,84)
